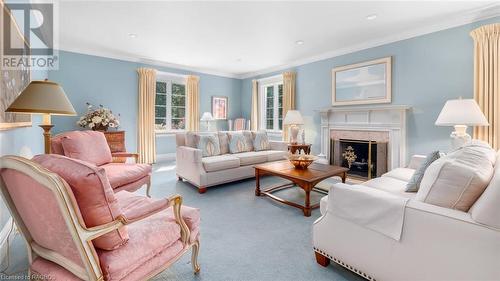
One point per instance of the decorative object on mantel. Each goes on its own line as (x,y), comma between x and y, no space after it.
(460,114)
(362,83)
(219,107)
(43,97)
(293,118)
(207,117)
(98,119)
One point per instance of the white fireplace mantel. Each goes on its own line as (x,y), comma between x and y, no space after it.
(383,118)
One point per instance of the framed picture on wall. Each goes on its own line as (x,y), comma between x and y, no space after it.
(219,107)
(362,83)
(13,81)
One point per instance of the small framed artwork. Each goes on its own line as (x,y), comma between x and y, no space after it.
(362,83)
(219,107)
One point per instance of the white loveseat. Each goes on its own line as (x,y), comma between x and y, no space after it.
(436,243)
(204,172)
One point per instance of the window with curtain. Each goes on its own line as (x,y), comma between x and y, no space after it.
(170,103)
(271,100)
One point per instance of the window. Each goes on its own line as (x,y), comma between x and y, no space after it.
(271,100)
(170,104)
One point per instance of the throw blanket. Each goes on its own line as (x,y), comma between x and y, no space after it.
(374,209)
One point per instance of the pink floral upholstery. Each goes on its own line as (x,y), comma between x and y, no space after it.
(39,211)
(120,174)
(95,197)
(47,270)
(88,146)
(56,145)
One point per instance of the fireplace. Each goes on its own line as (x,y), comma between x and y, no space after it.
(365,159)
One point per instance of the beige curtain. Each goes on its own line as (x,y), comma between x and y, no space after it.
(487,81)
(193,103)
(288,98)
(146,130)
(254,117)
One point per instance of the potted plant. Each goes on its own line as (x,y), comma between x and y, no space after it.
(98,119)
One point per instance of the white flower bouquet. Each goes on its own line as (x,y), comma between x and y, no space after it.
(98,119)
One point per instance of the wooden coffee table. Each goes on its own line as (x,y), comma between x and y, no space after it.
(305,179)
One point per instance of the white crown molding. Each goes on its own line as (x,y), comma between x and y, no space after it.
(131,58)
(486,12)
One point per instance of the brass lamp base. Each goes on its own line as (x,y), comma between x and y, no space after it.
(47,137)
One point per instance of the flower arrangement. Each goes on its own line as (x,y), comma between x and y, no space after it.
(98,119)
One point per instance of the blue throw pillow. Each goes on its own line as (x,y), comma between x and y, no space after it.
(414,184)
(209,145)
(261,141)
(237,142)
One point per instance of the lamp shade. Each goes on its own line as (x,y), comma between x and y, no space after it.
(293,117)
(207,116)
(42,97)
(461,112)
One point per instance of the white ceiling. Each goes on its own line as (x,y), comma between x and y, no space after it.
(243,38)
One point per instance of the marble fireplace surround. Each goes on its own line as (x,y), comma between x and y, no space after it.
(385,123)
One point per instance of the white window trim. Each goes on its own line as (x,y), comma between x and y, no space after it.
(170,78)
(263,84)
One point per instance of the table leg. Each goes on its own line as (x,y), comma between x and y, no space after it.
(344,176)
(307,207)
(257,182)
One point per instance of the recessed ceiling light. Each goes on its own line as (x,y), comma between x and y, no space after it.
(299,42)
(371,17)
(132,35)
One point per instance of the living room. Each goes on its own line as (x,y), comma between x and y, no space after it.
(203,140)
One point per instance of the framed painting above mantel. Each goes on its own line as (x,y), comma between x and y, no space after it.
(362,83)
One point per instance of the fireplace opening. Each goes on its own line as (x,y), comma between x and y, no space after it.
(364,159)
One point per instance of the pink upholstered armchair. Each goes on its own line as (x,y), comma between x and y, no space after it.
(92,147)
(77,228)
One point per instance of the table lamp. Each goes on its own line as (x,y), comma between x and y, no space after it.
(46,98)
(293,118)
(461,113)
(207,117)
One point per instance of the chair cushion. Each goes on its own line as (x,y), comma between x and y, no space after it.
(47,270)
(220,162)
(403,174)
(93,193)
(120,174)
(209,145)
(414,182)
(261,141)
(390,185)
(88,146)
(56,144)
(250,158)
(276,155)
(456,180)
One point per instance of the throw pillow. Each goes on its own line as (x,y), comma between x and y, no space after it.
(458,179)
(209,145)
(261,141)
(415,180)
(224,142)
(237,142)
(93,193)
(249,140)
(88,146)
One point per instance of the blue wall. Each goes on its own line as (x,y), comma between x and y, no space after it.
(427,71)
(114,84)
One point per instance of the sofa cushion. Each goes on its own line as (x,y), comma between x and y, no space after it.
(88,146)
(250,158)
(261,141)
(456,180)
(120,174)
(391,185)
(276,155)
(403,174)
(237,142)
(414,182)
(220,162)
(209,145)
(223,142)
(249,140)
(486,210)
(93,193)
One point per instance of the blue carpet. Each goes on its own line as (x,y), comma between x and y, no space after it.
(243,237)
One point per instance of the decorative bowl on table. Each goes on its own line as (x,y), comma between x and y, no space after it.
(301,161)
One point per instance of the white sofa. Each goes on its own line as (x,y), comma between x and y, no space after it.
(204,172)
(436,243)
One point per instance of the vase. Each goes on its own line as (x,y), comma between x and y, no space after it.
(101,128)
